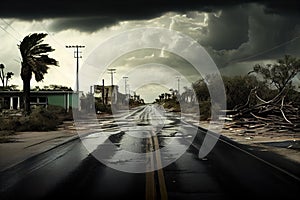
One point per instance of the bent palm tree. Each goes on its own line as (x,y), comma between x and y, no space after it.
(34,60)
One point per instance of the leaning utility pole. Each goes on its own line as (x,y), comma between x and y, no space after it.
(76,55)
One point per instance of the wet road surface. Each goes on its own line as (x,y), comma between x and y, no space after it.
(145,154)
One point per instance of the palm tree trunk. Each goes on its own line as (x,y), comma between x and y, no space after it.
(26,75)
(2,76)
(26,92)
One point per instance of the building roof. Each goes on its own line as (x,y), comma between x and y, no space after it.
(45,92)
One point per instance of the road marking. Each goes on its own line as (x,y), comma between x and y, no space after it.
(150,181)
(161,178)
(153,145)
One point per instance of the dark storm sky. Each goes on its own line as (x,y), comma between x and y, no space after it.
(237,25)
(235,32)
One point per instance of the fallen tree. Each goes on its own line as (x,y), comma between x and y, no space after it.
(280,113)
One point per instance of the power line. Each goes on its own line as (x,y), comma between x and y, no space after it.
(12,28)
(263,52)
(58,43)
(9,33)
(48,32)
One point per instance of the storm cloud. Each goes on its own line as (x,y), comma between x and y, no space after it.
(102,13)
(87,24)
(234,33)
(254,35)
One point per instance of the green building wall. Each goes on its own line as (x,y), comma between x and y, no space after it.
(57,100)
(74,101)
(61,100)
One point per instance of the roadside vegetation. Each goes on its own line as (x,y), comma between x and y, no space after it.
(35,61)
(40,119)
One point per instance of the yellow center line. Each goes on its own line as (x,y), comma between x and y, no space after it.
(152,144)
(161,177)
(150,182)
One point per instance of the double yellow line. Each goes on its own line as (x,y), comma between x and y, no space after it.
(151,193)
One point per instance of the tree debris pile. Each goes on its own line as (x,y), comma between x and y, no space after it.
(276,114)
(282,112)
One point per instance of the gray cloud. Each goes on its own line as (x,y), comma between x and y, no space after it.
(87,24)
(253,35)
(228,29)
(145,56)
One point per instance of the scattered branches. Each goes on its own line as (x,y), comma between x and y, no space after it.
(276,113)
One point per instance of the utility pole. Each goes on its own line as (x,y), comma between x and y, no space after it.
(128,87)
(103,92)
(178,84)
(111,72)
(125,80)
(76,55)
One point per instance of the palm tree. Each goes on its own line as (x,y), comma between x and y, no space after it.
(8,76)
(5,77)
(34,60)
(2,76)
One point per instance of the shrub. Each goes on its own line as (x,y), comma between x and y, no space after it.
(205,110)
(40,119)
(172,105)
(60,112)
(102,108)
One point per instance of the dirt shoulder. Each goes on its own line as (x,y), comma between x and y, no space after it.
(282,143)
(286,144)
(23,145)
(19,146)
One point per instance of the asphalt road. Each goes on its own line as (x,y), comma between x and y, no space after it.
(145,154)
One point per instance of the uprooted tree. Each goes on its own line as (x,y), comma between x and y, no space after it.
(281,111)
